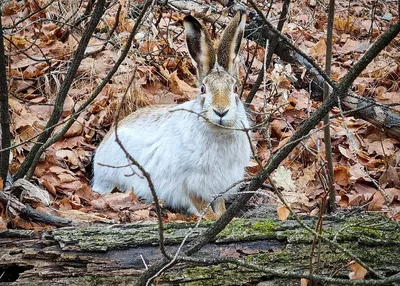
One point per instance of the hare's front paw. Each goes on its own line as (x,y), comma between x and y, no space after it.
(214,213)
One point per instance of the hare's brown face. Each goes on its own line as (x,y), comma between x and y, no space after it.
(216,68)
(219,98)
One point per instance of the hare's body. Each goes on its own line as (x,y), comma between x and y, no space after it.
(193,151)
(181,151)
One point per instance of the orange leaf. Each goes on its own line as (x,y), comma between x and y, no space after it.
(342,175)
(377,202)
(304,282)
(318,51)
(358,272)
(283,212)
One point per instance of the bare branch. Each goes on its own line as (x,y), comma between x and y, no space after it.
(144,172)
(36,151)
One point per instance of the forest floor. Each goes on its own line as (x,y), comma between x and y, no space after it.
(39,49)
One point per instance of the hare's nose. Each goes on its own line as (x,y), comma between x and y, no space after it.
(221,113)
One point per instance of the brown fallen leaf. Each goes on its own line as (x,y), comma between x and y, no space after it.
(3,224)
(378,200)
(304,282)
(381,148)
(253,167)
(342,175)
(283,179)
(390,176)
(283,212)
(69,156)
(178,86)
(277,126)
(116,201)
(345,152)
(357,271)
(318,51)
(75,130)
(307,177)
(356,172)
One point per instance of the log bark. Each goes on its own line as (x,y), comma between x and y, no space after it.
(111,255)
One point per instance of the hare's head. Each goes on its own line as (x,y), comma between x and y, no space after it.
(216,70)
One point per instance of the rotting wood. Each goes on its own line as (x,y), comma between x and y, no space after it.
(109,255)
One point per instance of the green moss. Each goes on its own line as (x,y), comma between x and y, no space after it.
(244,229)
(265,226)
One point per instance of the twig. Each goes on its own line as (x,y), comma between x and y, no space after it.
(114,27)
(144,172)
(29,213)
(270,51)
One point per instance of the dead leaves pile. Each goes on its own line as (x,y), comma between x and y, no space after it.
(40,47)
(39,50)
(366,162)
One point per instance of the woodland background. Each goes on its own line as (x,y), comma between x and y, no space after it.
(64,80)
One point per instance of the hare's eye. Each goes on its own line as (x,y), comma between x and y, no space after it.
(203,89)
(235,88)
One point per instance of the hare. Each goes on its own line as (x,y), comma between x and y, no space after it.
(190,150)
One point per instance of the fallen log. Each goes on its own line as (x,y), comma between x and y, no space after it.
(115,254)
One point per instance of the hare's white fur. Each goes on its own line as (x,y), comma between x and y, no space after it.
(185,154)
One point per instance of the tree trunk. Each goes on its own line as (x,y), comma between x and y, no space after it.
(111,255)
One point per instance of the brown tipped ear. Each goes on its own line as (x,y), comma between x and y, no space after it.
(200,46)
(230,43)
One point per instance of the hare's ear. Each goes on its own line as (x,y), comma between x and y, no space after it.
(230,43)
(200,46)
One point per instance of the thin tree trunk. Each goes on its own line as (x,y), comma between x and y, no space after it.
(331,203)
(4,115)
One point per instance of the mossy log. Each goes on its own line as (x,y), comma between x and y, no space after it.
(118,254)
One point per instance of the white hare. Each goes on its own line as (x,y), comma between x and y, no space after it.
(189,157)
